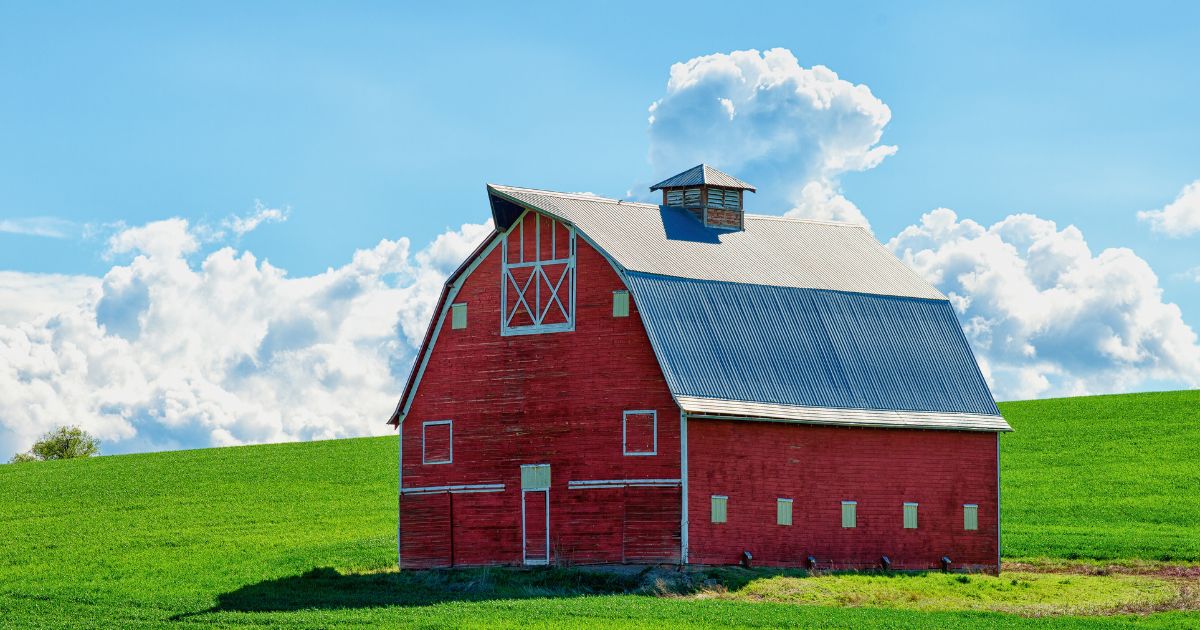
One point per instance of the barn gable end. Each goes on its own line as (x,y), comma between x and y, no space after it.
(558,398)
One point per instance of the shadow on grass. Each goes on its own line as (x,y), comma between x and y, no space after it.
(327,588)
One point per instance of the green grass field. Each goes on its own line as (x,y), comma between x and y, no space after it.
(304,535)
(1102,477)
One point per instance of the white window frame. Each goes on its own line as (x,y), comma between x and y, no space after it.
(625,431)
(854,511)
(915,513)
(426,425)
(780,502)
(618,295)
(969,507)
(507,280)
(454,310)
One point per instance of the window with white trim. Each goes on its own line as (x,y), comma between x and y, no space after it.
(458,316)
(621,303)
(639,432)
(535,476)
(719,503)
(849,514)
(783,512)
(970,516)
(910,516)
(437,442)
(537,291)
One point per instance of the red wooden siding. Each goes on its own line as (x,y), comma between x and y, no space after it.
(755,463)
(554,398)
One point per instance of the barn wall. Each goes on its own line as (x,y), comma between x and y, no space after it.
(754,463)
(553,398)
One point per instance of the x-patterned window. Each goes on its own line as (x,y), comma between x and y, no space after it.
(538,290)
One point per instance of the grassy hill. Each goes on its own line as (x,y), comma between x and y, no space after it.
(1102,477)
(304,535)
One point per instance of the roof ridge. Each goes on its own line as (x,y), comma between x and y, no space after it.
(568,195)
(643,204)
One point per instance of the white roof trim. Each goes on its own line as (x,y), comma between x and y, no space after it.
(717,408)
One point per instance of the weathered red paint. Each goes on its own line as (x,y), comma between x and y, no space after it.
(554,398)
(818,467)
(558,399)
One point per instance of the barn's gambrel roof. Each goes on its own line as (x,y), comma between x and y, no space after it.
(770,250)
(787,320)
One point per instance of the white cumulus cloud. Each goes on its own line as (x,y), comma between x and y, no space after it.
(1046,316)
(166,352)
(1178,218)
(789,130)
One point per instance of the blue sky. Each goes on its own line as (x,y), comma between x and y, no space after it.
(378,120)
(372,121)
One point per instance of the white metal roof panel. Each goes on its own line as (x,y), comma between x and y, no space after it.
(743,410)
(771,251)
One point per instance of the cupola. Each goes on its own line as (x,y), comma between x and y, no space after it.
(716,198)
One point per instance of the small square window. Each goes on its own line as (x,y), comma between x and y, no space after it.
(535,476)
(437,442)
(620,303)
(910,516)
(458,316)
(718,508)
(783,511)
(849,514)
(640,432)
(970,517)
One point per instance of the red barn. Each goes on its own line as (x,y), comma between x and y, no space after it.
(615,382)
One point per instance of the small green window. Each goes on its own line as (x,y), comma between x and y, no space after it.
(620,303)
(458,316)
(970,517)
(783,512)
(849,514)
(718,508)
(910,516)
(535,476)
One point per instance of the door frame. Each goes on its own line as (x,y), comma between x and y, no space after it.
(524,535)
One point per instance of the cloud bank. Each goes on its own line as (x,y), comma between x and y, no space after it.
(789,130)
(1045,316)
(171,351)
(1178,218)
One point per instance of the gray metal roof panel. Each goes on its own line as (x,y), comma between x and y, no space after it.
(770,250)
(703,175)
(809,348)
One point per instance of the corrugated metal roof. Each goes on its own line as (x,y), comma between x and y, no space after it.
(802,347)
(742,410)
(770,250)
(702,175)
